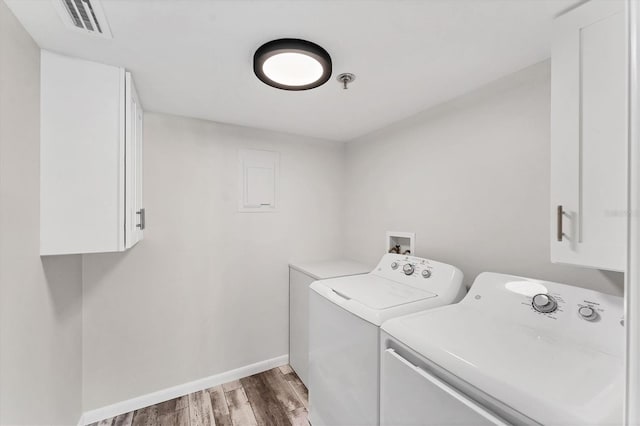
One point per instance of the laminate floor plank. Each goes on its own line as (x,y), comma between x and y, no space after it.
(299,388)
(175,418)
(235,384)
(174,412)
(125,419)
(266,406)
(171,405)
(275,397)
(299,417)
(240,410)
(147,416)
(281,389)
(182,402)
(220,407)
(200,410)
(286,369)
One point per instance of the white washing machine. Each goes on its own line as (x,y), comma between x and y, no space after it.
(345,315)
(514,351)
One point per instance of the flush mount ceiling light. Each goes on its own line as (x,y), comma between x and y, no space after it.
(292,64)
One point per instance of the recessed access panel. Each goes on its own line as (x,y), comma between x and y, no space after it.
(259,173)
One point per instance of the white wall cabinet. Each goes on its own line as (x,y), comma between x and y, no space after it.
(589,92)
(301,275)
(90,158)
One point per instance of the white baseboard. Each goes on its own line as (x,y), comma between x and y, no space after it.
(179,390)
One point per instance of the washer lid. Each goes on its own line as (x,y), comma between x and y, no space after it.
(376,292)
(376,299)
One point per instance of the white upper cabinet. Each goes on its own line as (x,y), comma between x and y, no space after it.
(589,136)
(90,158)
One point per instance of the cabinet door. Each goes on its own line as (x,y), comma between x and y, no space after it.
(81,156)
(134,211)
(589,136)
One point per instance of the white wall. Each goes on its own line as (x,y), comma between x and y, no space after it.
(40,299)
(207,289)
(471,179)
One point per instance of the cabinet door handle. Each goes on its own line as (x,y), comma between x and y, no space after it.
(560,214)
(141,225)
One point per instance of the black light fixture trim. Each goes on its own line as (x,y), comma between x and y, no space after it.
(292,45)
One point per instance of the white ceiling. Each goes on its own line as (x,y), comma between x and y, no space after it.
(194,58)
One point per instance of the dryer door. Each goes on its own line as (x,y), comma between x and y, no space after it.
(412,396)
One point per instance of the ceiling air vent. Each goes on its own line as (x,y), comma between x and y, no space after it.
(84,15)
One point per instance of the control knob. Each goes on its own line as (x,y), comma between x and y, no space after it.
(426,273)
(544,303)
(588,313)
(408,269)
(394,265)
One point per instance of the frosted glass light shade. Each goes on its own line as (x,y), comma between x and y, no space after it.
(292,69)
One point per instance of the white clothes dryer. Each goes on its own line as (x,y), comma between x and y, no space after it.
(514,351)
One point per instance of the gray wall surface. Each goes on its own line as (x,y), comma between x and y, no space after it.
(206,291)
(471,179)
(40,299)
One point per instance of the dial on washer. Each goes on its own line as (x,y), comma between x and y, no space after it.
(408,269)
(544,303)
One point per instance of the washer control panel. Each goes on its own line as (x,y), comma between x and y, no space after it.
(411,265)
(433,276)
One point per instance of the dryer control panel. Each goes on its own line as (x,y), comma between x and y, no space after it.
(566,311)
(431,275)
